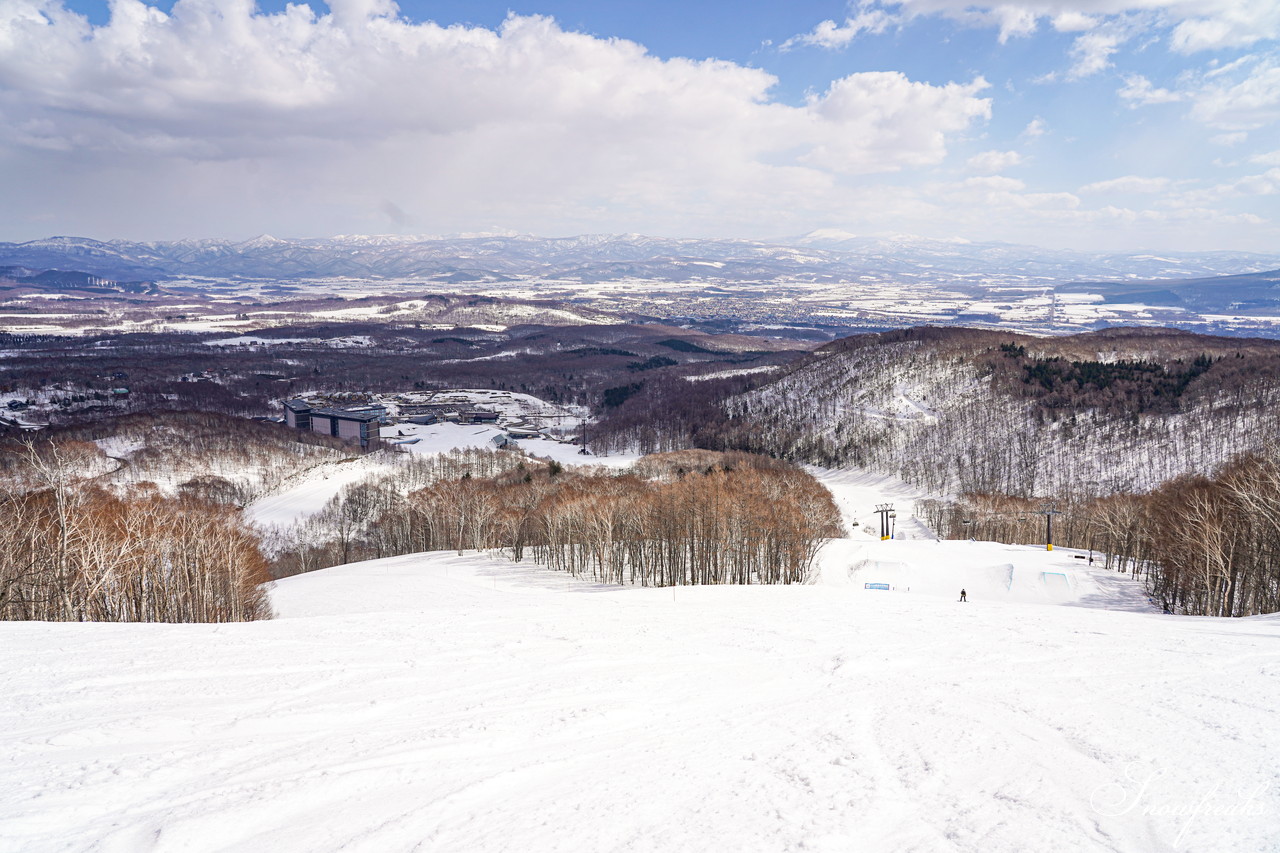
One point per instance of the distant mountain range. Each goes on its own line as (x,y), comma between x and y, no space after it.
(822,256)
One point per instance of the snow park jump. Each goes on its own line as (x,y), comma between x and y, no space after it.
(989,571)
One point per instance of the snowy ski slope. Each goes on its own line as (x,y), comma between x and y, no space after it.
(450,703)
(441,702)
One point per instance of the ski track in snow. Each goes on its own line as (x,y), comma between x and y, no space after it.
(450,702)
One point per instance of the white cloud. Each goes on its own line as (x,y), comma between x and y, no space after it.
(1270,158)
(993,183)
(328,118)
(1014,21)
(215,119)
(1237,97)
(991,162)
(1240,97)
(1229,139)
(830,35)
(1128,184)
(1225,23)
(1139,91)
(881,121)
(1268,183)
(1072,21)
(1092,53)
(1190,25)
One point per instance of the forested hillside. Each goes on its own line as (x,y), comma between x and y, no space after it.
(962,410)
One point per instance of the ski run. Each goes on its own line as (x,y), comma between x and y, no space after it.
(446,702)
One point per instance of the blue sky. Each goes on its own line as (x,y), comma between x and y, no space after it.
(1094,124)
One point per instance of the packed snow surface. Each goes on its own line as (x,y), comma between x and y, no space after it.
(447,703)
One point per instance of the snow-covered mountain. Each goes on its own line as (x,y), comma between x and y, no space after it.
(821,256)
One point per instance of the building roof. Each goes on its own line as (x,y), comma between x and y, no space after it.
(344,415)
(297,405)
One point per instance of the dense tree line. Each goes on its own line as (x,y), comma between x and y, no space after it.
(1205,545)
(72,552)
(681,518)
(949,410)
(669,412)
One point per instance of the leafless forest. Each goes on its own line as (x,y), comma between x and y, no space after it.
(693,517)
(71,552)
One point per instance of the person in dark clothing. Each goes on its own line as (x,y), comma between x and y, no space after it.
(964,596)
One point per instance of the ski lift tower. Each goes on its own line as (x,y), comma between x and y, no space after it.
(1048,511)
(885,511)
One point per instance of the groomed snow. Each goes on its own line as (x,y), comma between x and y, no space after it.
(307,494)
(445,703)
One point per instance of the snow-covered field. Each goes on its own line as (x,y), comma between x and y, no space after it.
(444,702)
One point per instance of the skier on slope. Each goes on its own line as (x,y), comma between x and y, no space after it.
(963,595)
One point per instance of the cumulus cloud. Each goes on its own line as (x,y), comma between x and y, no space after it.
(991,162)
(361,113)
(1139,91)
(881,121)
